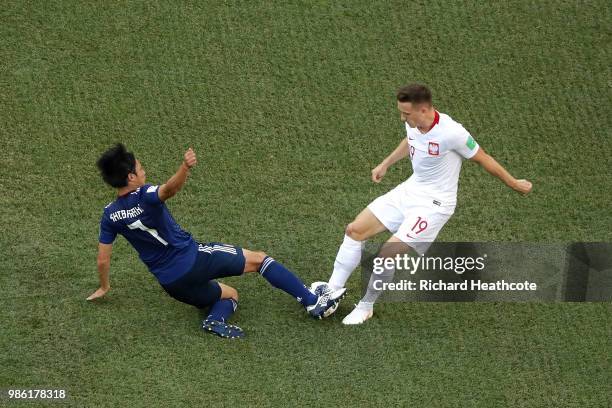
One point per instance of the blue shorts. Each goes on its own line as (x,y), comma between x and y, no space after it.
(214,260)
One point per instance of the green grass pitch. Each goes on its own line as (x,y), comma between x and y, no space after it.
(289,106)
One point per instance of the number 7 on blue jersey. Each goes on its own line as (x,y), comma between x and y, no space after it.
(139,225)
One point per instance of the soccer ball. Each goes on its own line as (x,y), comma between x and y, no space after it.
(319,288)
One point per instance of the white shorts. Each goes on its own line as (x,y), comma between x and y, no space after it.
(412,218)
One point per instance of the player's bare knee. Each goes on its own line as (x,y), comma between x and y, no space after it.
(260,257)
(354,231)
(234,294)
(256,259)
(349,230)
(253,260)
(227,292)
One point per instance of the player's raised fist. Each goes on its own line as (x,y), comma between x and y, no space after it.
(190,159)
(378,173)
(523,186)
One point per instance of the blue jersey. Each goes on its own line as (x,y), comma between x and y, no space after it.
(144,220)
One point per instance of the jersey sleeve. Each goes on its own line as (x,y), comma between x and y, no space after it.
(107,232)
(150,195)
(463,143)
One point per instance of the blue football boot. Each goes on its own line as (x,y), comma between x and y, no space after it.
(222,329)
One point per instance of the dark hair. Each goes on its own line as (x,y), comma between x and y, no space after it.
(115,164)
(415,93)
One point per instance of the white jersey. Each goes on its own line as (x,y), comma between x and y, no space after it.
(436,159)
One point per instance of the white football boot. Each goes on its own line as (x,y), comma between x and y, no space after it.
(360,314)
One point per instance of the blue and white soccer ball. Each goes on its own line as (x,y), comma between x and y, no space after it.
(320,288)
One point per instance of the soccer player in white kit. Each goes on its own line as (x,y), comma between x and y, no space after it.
(416,210)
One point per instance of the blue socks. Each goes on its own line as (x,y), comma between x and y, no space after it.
(283,279)
(222,310)
(279,277)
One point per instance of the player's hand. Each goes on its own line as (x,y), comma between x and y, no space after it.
(98,293)
(190,159)
(523,186)
(378,173)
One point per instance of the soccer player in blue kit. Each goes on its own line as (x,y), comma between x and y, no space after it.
(185,269)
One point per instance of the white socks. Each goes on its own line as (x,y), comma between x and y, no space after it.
(369,306)
(348,258)
(371,295)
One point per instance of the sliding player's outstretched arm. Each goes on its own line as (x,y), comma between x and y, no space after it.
(399,153)
(176,182)
(104,258)
(494,168)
